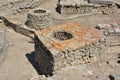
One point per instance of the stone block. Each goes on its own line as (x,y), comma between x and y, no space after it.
(115,77)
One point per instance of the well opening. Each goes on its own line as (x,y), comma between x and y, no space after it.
(40,11)
(62,35)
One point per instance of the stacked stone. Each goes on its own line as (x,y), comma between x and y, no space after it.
(51,60)
(84,7)
(38,19)
(69,57)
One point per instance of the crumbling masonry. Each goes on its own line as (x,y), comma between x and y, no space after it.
(85,6)
(65,45)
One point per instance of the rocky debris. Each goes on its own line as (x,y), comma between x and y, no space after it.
(1,21)
(112,63)
(114,24)
(103,26)
(29,5)
(114,77)
(106,26)
(5,4)
(14,1)
(15,12)
(10,2)
(111,32)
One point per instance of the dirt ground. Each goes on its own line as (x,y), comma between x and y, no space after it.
(18,63)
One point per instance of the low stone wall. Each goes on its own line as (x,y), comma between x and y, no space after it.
(85,54)
(51,62)
(20,28)
(38,19)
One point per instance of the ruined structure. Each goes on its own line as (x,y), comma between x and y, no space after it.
(85,6)
(38,19)
(111,33)
(65,45)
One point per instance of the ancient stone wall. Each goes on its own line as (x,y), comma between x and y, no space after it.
(50,62)
(38,19)
(18,27)
(85,54)
(83,7)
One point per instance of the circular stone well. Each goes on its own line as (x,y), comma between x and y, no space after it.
(62,35)
(38,19)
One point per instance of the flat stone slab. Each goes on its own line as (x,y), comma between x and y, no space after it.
(81,36)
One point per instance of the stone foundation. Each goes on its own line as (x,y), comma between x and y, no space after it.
(38,19)
(84,7)
(70,57)
(50,61)
(66,45)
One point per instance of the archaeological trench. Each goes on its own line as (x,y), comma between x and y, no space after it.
(66,44)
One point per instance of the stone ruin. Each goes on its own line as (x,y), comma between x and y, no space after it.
(38,19)
(66,45)
(85,6)
(111,32)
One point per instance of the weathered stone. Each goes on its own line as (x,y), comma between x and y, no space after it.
(59,50)
(38,19)
(1,21)
(112,63)
(14,1)
(15,12)
(84,6)
(114,77)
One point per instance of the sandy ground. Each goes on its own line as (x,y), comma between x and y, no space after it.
(16,65)
(17,62)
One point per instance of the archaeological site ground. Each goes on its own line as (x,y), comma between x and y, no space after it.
(59,40)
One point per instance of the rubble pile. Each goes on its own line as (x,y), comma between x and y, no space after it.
(111,33)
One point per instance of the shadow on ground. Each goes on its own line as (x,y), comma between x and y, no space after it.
(31,59)
(58,7)
(119,58)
